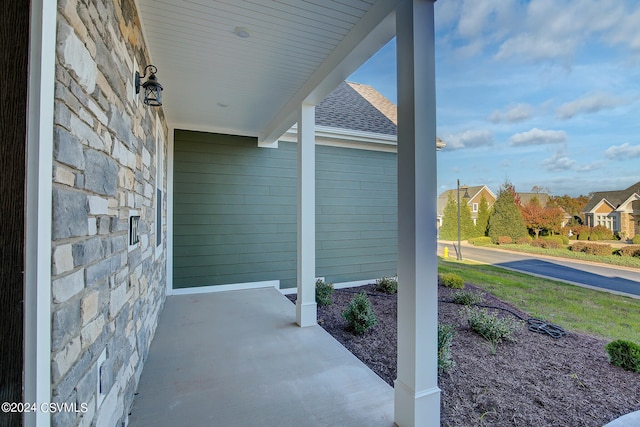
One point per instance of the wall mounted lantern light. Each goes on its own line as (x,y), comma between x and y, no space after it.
(152,88)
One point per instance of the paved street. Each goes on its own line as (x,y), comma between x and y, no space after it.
(619,280)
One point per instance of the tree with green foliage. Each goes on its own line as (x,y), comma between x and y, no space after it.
(467,227)
(506,219)
(572,205)
(449,228)
(482,220)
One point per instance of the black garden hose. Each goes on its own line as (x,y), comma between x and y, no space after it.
(535,325)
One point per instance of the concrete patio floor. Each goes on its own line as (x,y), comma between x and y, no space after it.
(237,358)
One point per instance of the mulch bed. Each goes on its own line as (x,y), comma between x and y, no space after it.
(535,381)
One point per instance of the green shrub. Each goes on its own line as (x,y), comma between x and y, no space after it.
(636,239)
(602,233)
(584,236)
(565,239)
(359,314)
(524,240)
(625,354)
(323,293)
(598,249)
(558,239)
(548,242)
(450,280)
(467,298)
(445,338)
(388,285)
(491,327)
(481,241)
(505,240)
(629,251)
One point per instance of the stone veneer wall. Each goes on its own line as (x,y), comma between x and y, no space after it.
(106,294)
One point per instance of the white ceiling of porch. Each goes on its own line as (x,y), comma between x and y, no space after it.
(297,50)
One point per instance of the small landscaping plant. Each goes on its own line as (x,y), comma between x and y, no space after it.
(359,314)
(636,239)
(451,280)
(388,285)
(481,241)
(491,327)
(323,293)
(504,240)
(625,354)
(629,251)
(597,249)
(467,298)
(524,240)
(445,339)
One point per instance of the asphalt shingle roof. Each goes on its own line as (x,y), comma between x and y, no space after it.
(357,107)
(616,198)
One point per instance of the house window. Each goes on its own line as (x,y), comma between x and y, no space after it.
(475,207)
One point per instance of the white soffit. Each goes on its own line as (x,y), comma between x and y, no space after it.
(218,79)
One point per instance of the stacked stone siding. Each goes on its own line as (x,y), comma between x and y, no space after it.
(106,294)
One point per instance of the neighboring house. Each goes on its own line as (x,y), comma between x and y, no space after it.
(96,184)
(473,202)
(617,210)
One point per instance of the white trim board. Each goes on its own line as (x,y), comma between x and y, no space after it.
(39,146)
(222,288)
(341,285)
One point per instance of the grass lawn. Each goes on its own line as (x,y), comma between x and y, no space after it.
(571,307)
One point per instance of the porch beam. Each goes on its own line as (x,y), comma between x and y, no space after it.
(306,272)
(417,396)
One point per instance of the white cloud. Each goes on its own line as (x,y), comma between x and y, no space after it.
(512,114)
(554,30)
(590,167)
(589,104)
(468,139)
(623,152)
(538,137)
(557,162)
(534,48)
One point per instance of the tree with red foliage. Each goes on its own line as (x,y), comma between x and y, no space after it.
(533,215)
(537,217)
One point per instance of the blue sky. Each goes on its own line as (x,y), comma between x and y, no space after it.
(540,92)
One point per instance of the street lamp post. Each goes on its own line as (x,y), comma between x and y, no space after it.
(466,196)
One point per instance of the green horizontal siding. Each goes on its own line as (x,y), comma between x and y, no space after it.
(356,214)
(235,212)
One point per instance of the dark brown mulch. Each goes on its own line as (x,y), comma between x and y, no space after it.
(535,381)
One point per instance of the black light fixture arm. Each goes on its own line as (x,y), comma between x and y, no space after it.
(153,70)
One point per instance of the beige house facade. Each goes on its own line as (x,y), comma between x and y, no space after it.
(618,210)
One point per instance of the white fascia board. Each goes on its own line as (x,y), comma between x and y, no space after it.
(348,138)
(626,205)
(368,36)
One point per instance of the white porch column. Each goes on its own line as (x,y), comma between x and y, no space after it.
(306,302)
(417,396)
